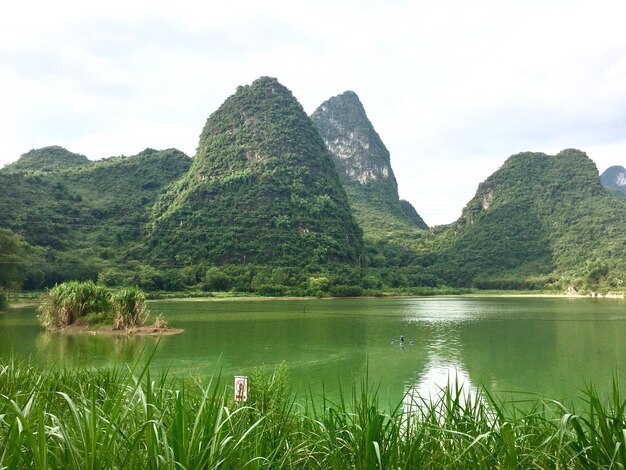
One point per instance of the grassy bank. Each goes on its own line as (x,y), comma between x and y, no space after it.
(117,418)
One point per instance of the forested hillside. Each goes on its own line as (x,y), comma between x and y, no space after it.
(47,159)
(539,220)
(266,207)
(262,190)
(85,219)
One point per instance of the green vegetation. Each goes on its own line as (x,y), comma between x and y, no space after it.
(411,214)
(84,221)
(89,303)
(262,190)
(14,255)
(47,159)
(115,418)
(4,301)
(266,208)
(538,222)
(129,308)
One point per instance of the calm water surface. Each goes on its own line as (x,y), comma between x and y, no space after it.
(548,346)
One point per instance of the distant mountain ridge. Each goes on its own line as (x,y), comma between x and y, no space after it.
(614,177)
(538,215)
(47,159)
(266,207)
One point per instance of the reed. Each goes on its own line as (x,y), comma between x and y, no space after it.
(130,418)
(66,303)
(129,308)
(88,303)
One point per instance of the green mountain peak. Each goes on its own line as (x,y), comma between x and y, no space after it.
(262,189)
(47,159)
(537,215)
(614,178)
(364,165)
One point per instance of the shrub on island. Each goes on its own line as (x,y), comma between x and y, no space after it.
(88,303)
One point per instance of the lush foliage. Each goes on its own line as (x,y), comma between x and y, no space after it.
(84,220)
(262,189)
(4,301)
(129,308)
(113,418)
(47,159)
(14,258)
(67,303)
(538,220)
(77,302)
(411,214)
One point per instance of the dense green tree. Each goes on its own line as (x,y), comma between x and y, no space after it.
(14,252)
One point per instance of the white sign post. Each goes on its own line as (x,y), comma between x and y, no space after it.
(241,388)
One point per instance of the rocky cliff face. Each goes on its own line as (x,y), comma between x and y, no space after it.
(359,153)
(361,157)
(614,178)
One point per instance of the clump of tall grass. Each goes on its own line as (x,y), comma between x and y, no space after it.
(4,300)
(87,302)
(66,303)
(129,308)
(117,418)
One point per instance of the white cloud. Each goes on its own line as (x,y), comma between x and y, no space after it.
(452,87)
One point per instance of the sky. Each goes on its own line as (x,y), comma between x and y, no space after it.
(453,87)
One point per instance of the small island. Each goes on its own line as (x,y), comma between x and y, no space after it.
(89,308)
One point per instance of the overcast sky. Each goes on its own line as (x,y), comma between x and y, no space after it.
(452,87)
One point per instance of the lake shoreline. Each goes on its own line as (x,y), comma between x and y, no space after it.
(146,330)
(247,298)
(382,297)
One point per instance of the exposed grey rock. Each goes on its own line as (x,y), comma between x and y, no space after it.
(614,178)
(361,157)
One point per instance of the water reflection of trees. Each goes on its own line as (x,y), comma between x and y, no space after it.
(88,349)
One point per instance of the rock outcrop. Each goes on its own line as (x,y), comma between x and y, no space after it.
(363,162)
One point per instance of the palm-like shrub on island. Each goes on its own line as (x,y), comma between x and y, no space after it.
(88,303)
(129,307)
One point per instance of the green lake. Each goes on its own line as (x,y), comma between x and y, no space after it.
(549,346)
